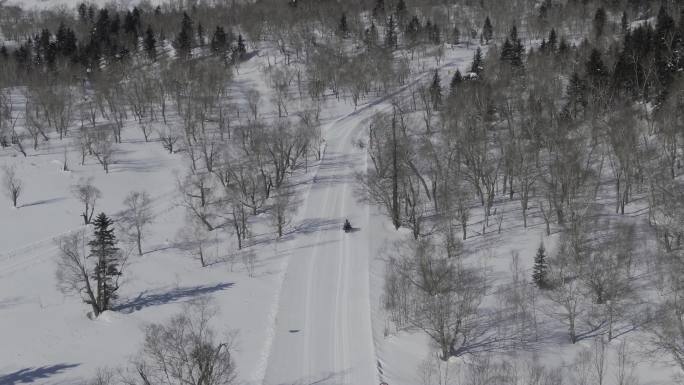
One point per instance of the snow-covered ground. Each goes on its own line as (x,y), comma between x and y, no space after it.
(305,315)
(310,313)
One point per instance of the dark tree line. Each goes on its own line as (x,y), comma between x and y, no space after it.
(101,36)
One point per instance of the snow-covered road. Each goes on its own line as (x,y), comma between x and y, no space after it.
(323,328)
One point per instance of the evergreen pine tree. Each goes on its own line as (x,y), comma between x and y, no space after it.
(506,51)
(60,37)
(665,48)
(413,29)
(91,14)
(344,28)
(23,55)
(83,13)
(563,46)
(455,83)
(622,75)
(539,275)
(517,49)
(40,46)
(379,9)
(596,70)
(219,41)
(436,90)
(401,12)
(150,43)
(552,43)
(456,36)
(487,30)
(43,42)
(477,67)
(391,34)
(129,24)
(435,34)
(184,40)
(401,8)
(102,26)
(66,41)
(106,272)
(680,34)
(665,25)
(51,55)
(240,49)
(371,36)
(136,18)
(543,46)
(115,25)
(200,35)
(599,22)
(543,11)
(624,23)
(576,91)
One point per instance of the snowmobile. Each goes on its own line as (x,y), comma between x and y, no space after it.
(347,226)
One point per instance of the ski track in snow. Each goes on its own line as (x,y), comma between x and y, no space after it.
(320,318)
(316,308)
(323,327)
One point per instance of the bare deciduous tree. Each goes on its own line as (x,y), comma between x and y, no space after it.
(567,295)
(249,259)
(73,272)
(168,138)
(666,323)
(11,183)
(281,209)
(198,196)
(185,351)
(253,99)
(102,147)
(444,295)
(196,239)
(137,217)
(86,192)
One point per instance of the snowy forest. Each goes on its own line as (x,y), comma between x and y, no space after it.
(293,192)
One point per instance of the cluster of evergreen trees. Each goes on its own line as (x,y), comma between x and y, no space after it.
(641,65)
(101,36)
(106,36)
(394,23)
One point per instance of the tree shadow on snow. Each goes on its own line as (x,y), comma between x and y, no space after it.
(43,202)
(330,378)
(145,299)
(11,302)
(28,375)
(338,161)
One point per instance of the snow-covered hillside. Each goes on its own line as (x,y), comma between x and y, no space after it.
(72,4)
(512,221)
(303,315)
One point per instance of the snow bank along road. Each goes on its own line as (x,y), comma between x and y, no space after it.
(323,328)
